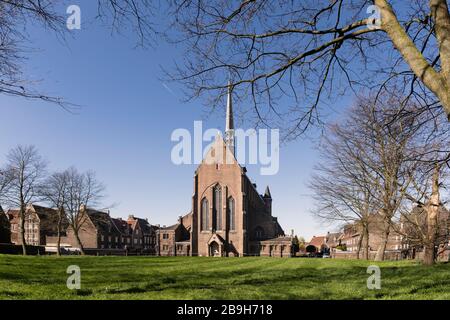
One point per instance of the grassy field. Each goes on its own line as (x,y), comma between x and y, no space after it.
(217,278)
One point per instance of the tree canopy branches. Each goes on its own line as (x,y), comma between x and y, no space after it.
(288,61)
(309,53)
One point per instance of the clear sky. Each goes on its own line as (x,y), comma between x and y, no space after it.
(123,130)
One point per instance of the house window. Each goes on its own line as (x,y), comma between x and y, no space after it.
(231,214)
(103,237)
(165,236)
(117,239)
(204,214)
(217,208)
(165,248)
(135,241)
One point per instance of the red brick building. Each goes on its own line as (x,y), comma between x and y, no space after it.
(99,231)
(229,217)
(40,222)
(143,235)
(5,230)
(317,244)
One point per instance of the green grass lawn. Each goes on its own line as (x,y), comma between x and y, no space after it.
(217,278)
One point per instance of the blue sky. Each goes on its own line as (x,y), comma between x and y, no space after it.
(123,130)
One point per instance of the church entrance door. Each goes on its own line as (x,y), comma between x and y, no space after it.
(214,249)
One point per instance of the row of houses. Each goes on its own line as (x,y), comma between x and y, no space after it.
(99,232)
(404,240)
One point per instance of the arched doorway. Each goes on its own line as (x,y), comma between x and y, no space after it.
(311,249)
(214,249)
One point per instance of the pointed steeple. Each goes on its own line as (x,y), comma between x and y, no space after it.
(229,122)
(267,193)
(229,125)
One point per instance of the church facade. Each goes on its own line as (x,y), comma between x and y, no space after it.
(228,217)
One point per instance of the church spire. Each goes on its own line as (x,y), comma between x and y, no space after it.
(229,123)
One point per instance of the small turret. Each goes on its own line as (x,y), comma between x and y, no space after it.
(268,200)
(229,122)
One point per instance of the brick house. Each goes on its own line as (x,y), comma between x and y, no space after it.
(352,233)
(98,231)
(143,235)
(278,247)
(317,244)
(414,226)
(333,240)
(175,240)
(126,232)
(5,229)
(40,222)
(350,237)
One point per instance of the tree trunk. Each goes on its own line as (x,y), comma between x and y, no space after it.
(22,228)
(384,240)
(358,249)
(429,254)
(77,237)
(366,242)
(432,221)
(58,242)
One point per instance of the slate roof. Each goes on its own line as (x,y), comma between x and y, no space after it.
(122,225)
(102,221)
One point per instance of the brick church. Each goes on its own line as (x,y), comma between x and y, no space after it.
(228,217)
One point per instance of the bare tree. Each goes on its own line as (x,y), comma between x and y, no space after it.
(309,51)
(55,192)
(426,225)
(368,166)
(27,169)
(342,184)
(312,52)
(17,15)
(5,183)
(83,190)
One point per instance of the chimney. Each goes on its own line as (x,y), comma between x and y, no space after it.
(180,219)
(131,217)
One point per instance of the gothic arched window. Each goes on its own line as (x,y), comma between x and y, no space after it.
(204,214)
(217,208)
(259,233)
(231,213)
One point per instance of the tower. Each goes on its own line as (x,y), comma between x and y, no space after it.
(268,200)
(229,123)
